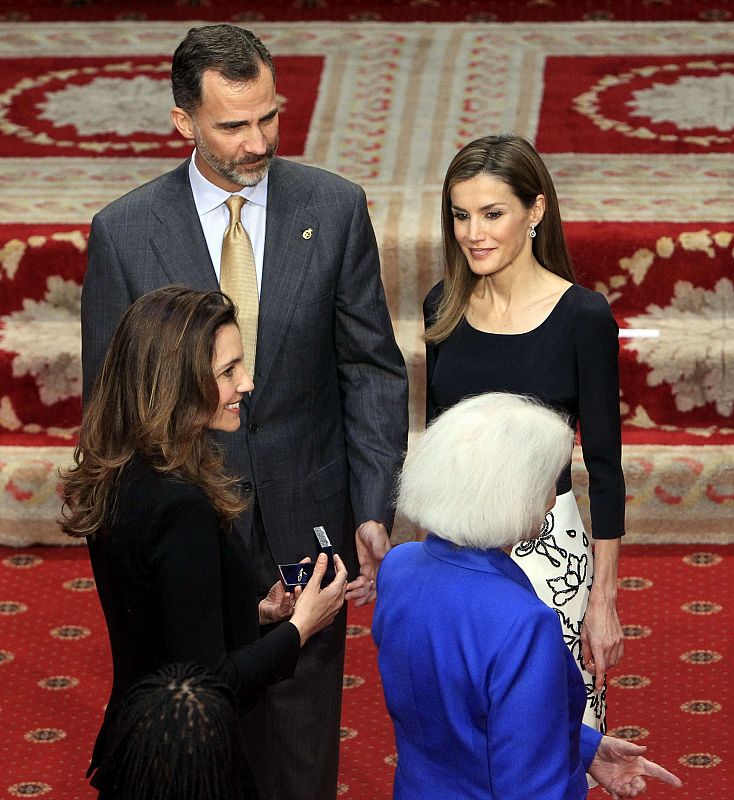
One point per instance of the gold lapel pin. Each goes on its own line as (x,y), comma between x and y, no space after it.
(308,233)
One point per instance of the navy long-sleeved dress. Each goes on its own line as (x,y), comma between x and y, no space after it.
(569,362)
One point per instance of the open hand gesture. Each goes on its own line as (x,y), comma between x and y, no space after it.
(620,768)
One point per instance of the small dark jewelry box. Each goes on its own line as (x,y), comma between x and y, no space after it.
(293,575)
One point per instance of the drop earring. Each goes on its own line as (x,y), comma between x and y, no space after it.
(533,232)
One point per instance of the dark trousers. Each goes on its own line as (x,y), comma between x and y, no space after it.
(294,743)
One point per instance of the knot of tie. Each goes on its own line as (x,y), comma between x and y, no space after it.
(234,203)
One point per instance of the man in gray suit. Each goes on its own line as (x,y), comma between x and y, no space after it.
(325,428)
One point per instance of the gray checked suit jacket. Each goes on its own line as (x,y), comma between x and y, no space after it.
(326,427)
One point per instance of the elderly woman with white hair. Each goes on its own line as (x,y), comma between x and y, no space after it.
(485,697)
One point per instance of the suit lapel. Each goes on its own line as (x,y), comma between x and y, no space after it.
(290,232)
(179,242)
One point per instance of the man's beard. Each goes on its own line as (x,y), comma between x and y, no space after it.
(233,171)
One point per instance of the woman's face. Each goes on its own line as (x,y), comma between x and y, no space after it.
(232,379)
(491,225)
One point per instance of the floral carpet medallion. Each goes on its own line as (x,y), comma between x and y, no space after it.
(119,106)
(694,353)
(669,283)
(661,104)
(48,358)
(40,355)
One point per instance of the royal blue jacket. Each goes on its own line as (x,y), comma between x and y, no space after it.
(484,695)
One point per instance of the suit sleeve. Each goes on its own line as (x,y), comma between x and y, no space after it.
(105,298)
(372,374)
(529,720)
(186,557)
(597,351)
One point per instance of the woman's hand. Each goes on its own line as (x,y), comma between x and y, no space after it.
(602,640)
(277,605)
(316,607)
(620,768)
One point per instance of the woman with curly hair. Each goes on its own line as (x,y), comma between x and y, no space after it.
(150,493)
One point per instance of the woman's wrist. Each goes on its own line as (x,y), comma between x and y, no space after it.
(302,635)
(606,560)
(600,596)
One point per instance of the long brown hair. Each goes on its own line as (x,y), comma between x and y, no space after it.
(513,160)
(153,398)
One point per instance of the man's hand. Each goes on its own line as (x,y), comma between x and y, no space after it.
(372,544)
(620,768)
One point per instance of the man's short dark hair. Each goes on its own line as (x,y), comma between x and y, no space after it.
(237,54)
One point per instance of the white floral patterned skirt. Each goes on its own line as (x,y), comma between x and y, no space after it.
(560,565)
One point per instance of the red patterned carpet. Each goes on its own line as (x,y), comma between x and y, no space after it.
(673,690)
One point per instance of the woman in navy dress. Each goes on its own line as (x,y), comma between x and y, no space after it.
(508,316)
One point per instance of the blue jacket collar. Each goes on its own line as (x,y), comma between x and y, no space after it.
(492,560)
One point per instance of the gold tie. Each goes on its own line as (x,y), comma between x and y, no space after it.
(238,278)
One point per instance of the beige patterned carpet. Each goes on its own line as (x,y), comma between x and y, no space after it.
(641,155)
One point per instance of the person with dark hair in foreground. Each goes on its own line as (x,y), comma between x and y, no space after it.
(484,695)
(150,492)
(176,738)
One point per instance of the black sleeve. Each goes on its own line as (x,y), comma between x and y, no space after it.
(187,576)
(430,307)
(597,351)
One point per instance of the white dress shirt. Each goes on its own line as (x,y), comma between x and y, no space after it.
(214,216)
